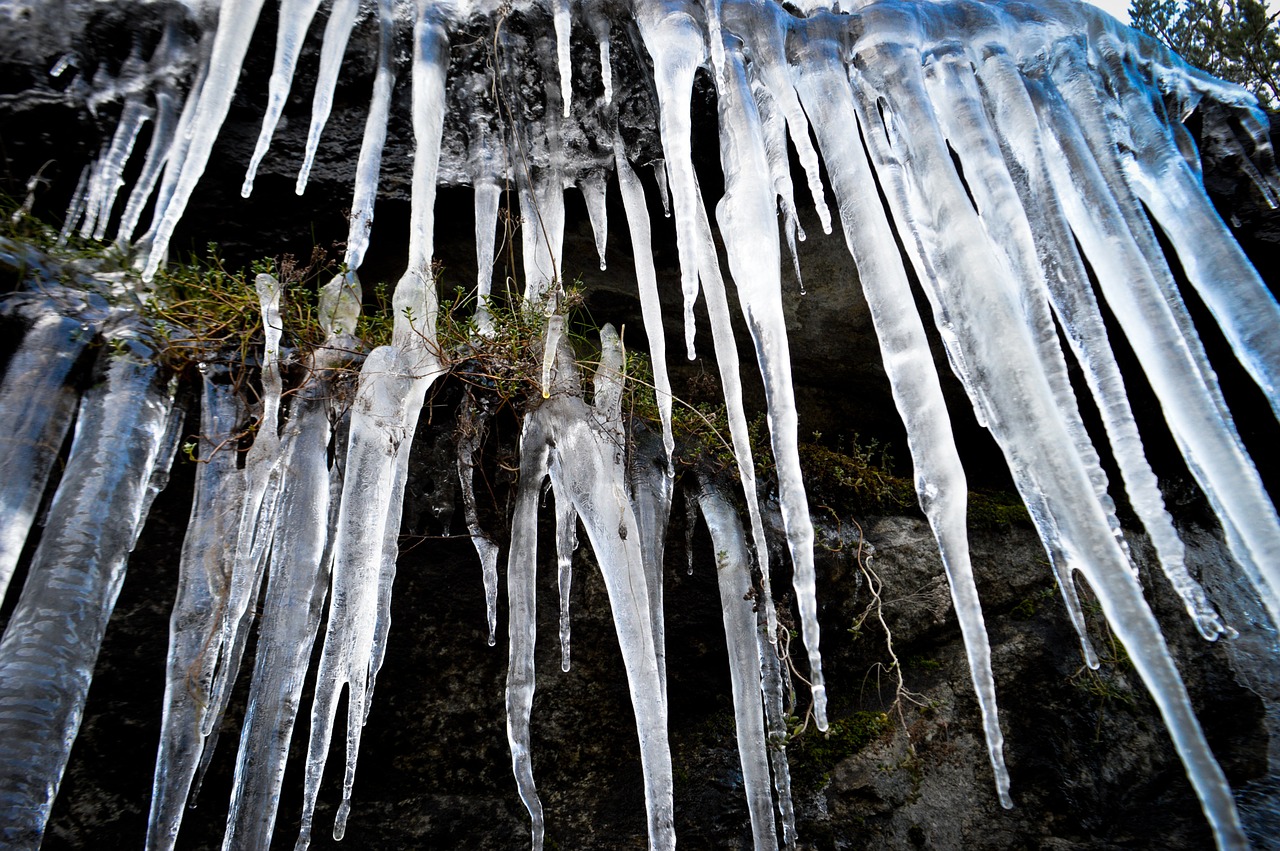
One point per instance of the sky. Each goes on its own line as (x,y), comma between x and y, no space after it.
(1118,9)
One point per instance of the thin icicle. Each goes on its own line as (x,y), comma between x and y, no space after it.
(295,20)
(75,210)
(342,19)
(593,188)
(473,418)
(749,227)
(49,648)
(733,572)
(110,176)
(236,22)
(566,546)
(562,22)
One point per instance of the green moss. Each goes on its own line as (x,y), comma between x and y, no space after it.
(813,755)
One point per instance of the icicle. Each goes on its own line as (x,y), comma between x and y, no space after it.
(593,190)
(76,209)
(487,196)
(471,428)
(157,155)
(566,545)
(1153,321)
(749,228)
(342,19)
(562,23)
(1214,262)
(598,19)
(541,233)
(33,433)
(675,42)
(295,19)
(550,346)
(392,386)
(375,137)
(290,618)
(1078,312)
(262,474)
(963,278)
(733,572)
(637,210)
(236,23)
(208,554)
(664,192)
(52,640)
(110,173)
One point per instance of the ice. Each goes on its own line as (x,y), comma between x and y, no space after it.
(295,19)
(33,434)
(295,593)
(52,640)
(109,178)
(487,197)
(750,230)
(564,437)
(940,481)
(473,419)
(593,188)
(733,572)
(566,546)
(337,31)
(236,22)
(204,573)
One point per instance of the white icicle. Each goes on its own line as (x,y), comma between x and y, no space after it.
(110,177)
(593,188)
(487,196)
(337,31)
(295,20)
(471,428)
(733,571)
(939,478)
(566,546)
(562,22)
(375,137)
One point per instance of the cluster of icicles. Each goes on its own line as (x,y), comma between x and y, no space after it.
(1014,146)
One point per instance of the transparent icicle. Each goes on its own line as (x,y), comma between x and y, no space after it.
(562,22)
(204,573)
(473,418)
(236,22)
(593,188)
(299,573)
(295,19)
(733,572)
(75,210)
(940,482)
(337,31)
(34,433)
(375,137)
(156,156)
(566,546)
(110,177)
(676,44)
(50,645)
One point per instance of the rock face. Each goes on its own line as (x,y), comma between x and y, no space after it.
(1091,764)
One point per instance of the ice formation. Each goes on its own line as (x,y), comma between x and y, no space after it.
(1015,147)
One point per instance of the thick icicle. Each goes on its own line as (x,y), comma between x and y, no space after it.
(295,19)
(487,196)
(389,398)
(1076,308)
(963,277)
(593,189)
(733,572)
(204,573)
(337,31)
(52,640)
(291,612)
(939,479)
(33,433)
